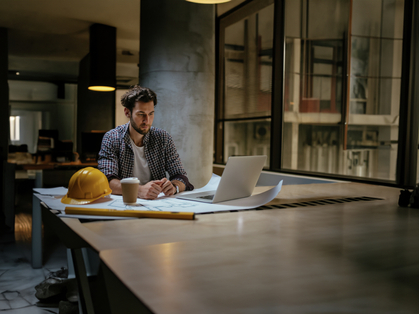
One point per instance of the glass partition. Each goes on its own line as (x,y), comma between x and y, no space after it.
(247,138)
(315,85)
(374,86)
(315,43)
(247,51)
(342,86)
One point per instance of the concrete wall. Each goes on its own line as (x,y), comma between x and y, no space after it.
(39,108)
(177,61)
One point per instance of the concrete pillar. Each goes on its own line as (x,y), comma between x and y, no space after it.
(4,95)
(177,61)
(7,170)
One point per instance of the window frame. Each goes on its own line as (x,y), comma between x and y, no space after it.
(223,22)
(407,151)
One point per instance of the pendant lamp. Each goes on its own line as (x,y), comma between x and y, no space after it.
(209,1)
(102,51)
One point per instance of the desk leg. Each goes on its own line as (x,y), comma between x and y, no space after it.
(38,178)
(85,296)
(120,298)
(36,233)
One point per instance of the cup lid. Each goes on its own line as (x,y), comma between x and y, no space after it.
(130,180)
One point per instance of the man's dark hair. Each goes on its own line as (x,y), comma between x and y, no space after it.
(138,93)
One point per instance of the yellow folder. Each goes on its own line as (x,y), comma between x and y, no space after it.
(128,213)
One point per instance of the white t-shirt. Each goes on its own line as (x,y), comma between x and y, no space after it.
(141,169)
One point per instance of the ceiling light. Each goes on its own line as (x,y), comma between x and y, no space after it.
(102,58)
(209,1)
(102,88)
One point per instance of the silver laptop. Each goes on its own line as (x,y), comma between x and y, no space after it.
(239,178)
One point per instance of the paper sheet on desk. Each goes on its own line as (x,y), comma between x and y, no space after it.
(173,204)
(54,202)
(179,205)
(53,191)
(52,198)
(210,186)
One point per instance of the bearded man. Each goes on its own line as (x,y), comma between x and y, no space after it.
(137,149)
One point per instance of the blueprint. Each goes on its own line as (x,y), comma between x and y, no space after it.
(164,203)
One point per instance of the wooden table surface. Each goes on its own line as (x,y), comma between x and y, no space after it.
(103,235)
(354,257)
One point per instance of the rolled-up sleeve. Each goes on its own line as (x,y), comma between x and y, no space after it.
(174,164)
(162,157)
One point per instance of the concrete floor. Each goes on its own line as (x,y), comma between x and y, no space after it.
(17,277)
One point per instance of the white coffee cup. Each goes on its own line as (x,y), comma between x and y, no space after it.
(129,190)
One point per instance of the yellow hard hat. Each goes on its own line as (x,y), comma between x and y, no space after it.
(85,186)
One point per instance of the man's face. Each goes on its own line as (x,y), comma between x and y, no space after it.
(141,117)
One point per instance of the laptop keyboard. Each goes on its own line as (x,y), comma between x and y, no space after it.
(207,197)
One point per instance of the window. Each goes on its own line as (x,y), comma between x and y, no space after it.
(244,115)
(376,39)
(333,125)
(323,81)
(14,128)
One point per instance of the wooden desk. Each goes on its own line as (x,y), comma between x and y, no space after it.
(104,235)
(47,175)
(350,257)
(353,257)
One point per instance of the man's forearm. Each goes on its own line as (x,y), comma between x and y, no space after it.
(179,184)
(115,186)
(183,179)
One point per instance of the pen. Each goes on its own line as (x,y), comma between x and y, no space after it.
(129,213)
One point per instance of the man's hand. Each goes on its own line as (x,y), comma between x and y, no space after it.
(167,187)
(151,190)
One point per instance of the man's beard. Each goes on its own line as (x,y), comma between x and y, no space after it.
(136,128)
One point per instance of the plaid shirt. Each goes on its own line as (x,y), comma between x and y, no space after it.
(116,158)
